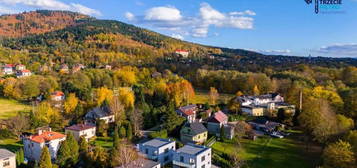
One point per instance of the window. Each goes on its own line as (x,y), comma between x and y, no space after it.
(181,158)
(6,162)
(203,166)
(166,150)
(203,158)
(166,158)
(146,151)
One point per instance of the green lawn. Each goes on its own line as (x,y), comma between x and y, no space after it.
(9,108)
(11,144)
(271,153)
(105,142)
(202,97)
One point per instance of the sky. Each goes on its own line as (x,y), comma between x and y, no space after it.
(277,27)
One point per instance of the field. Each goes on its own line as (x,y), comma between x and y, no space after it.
(202,97)
(9,108)
(105,142)
(272,153)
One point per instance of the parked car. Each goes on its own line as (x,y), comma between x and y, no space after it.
(276,135)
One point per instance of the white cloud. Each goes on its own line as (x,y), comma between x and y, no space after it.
(177,36)
(4,10)
(271,52)
(52,5)
(130,16)
(246,12)
(84,10)
(339,50)
(170,18)
(163,14)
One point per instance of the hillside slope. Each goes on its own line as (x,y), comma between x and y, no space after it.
(37,22)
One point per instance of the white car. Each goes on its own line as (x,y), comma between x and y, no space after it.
(276,135)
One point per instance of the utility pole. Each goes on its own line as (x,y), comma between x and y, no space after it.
(300,104)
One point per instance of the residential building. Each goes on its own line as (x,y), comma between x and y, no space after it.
(33,144)
(158,150)
(142,163)
(193,133)
(189,112)
(77,68)
(8,69)
(64,68)
(264,125)
(100,113)
(82,130)
(20,67)
(182,53)
(253,110)
(193,156)
(217,122)
(7,159)
(23,73)
(57,96)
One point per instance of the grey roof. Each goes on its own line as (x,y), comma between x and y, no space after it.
(141,163)
(197,127)
(6,154)
(192,149)
(157,142)
(98,112)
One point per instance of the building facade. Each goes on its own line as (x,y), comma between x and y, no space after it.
(158,150)
(193,156)
(189,112)
(7,159)
(33,144)
(193,133)
(81,130)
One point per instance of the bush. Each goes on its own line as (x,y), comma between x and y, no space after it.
(159,134)
(5,133)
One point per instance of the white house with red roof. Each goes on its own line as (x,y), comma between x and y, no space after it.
(218,121)
(189,112)
(57,96)
(20,67)
(33,144)
(183,53)
(23,73)
(8,69)
(79,130)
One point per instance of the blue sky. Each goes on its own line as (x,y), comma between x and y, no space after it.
(287,27)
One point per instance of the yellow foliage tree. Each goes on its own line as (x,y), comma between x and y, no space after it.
(127,97)
(45,113)
(71,103)
(213,95)
(103,94)
(256,90)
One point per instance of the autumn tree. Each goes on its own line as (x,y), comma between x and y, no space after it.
(340,155)
(126,97)
(117,108)
(256,90)
(213,95)
(71,103)
(137,120)
(45,158)
(103,94)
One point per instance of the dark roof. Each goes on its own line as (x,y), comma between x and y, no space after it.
(98,112)
(192,149)
(196,127)
(157,142)
(80,127)
(6,154)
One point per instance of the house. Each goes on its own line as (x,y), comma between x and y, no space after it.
(253,110)
(100,113)
(193,133)
(193,156)
(57,96)
(33,144)
(217,122)
(142,163)
(79,130)
(183,53)
(77,68)
(189,112)
(20,67)
(8,69)
(156,75)
(7,159)
(108,67)
(64,68)
(261,124)
(23,73)
(158,150)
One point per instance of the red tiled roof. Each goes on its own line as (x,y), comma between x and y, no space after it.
(80,127)
(218,117)
(46,136)
(58,93)
(9,65)
(188,110)
(25,70)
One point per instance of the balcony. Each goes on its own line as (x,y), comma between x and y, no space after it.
(182,164)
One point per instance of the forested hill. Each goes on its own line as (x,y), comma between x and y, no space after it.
(37,22)
(47,37)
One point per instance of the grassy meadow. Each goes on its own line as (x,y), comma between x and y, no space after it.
(9,108)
